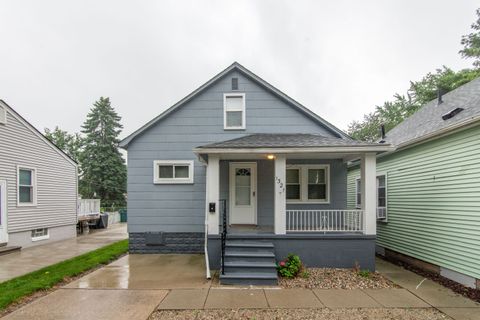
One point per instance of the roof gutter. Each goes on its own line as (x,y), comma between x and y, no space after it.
(356,149)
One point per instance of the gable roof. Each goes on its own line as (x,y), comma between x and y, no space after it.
(427,122)
(34,130)
(236,66)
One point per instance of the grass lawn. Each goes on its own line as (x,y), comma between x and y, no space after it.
(17,288)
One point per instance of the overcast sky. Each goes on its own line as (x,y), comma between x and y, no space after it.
(338,58)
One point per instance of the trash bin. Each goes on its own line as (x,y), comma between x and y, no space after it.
(103,221)
(123,215)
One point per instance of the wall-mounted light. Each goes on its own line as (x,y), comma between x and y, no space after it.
(270,157)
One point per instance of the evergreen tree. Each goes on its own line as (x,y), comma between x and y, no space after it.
(103,167)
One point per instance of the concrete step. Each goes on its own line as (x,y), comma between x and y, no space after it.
(249,278)
(249,256)
(236,246)
(245,266)
(7,250)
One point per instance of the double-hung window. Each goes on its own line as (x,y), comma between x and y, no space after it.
(173,171)
(26,182)
(293,184)
(381,189)
(307,184)
(234,111)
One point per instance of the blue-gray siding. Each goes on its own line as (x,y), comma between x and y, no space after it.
(181,208)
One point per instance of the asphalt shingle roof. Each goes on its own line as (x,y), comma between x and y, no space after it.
(428,119)
(281,140)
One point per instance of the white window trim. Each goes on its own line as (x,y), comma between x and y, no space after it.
(234,94)
(376,193)
(158,180)
(304,183)
(386,197)
(34,184)
(44,237)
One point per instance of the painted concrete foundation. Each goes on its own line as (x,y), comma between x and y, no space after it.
(340,251)
(166,242)
(24,238)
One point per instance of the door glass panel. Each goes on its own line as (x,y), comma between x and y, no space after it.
(242,186)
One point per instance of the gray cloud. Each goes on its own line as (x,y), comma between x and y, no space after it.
(339,58)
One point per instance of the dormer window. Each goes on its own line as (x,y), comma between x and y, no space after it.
(234,111)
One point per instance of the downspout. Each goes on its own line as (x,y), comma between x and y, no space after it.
(205,249)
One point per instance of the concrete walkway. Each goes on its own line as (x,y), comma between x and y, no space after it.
(145,283)
(34,258)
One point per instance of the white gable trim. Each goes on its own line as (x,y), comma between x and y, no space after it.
(124,143)
(24,122)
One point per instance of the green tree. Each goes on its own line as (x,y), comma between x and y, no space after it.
(71,144)
(103,167)
(471,42)
(420,92)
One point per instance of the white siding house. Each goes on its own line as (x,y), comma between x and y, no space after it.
(38,185)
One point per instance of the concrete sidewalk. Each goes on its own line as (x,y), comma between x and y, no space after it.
(137,285)
(34,258)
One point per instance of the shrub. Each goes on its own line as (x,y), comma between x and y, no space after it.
(290,267)
(364,273)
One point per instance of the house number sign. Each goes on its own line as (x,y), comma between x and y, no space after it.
(280,184)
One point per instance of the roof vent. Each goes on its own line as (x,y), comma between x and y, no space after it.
(440,93)
(234,83)
(452,113)
(382,133)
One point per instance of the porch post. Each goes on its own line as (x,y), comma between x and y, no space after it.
(279,198)
(369,192)
(212,185)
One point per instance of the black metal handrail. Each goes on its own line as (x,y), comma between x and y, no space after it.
(223,206)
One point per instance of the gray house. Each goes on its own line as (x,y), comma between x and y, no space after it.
(239,158)
(38,186)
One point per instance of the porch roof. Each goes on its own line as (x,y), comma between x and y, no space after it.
(288,143)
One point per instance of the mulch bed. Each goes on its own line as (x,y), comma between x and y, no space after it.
(470,293)
(333,278)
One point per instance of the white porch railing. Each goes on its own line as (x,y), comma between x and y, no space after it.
(87,207)
(324,220)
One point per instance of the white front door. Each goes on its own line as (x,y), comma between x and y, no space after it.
(3,212)
(243,193)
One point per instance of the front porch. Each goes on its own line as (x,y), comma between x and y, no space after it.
(262,190)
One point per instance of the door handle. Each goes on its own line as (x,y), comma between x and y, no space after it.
(253,193)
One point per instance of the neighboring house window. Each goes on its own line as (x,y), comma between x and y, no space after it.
(26,182)
(234,111)
(307,184)
(40,234)
(293,184)
(381,196)
(172,171)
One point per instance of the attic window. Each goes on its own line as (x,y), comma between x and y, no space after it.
(452,113)
(234,111)
(234,83)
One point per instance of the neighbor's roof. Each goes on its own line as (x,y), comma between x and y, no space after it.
(235,66)
(427,121)
(36,131)
(289,141)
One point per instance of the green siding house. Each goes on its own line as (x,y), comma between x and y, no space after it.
(428,189)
